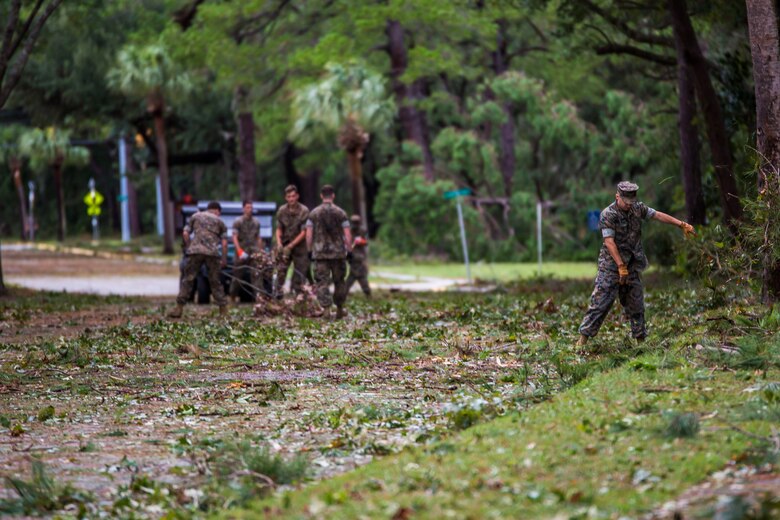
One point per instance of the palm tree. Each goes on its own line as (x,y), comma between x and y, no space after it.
(148,72)
(50,147)
(350,101)
(10,153)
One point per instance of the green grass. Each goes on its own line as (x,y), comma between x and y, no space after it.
(502,272)
(41,494)
(20,304)
(601,445)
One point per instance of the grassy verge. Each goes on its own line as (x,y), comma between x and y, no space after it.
(502,272)
(19,302)
(606,447)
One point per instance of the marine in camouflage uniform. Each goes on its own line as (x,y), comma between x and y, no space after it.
(358,264)
(290,245)
(621,260)
(250,257)
(203,235)
(328,238)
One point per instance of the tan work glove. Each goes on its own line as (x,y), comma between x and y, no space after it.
(623,272)
(687,229)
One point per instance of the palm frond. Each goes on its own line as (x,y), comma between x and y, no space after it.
(350,100)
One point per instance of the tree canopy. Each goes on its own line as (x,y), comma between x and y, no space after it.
(521,102)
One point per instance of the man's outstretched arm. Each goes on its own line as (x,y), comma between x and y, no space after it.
(668,219)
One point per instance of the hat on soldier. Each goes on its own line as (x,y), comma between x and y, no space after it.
(627,190)
(355,218)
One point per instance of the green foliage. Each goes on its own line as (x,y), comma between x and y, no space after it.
(147,71)
(41,494)
(233,458)
(346,94)
(681,425)
(733,263)
(45,413)
(44,147)
(415,217)
(9,142)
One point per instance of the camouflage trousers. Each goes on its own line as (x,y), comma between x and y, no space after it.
(299,259)
(358,272)
(324,270)
(258,269)
(631,297)
(190,272)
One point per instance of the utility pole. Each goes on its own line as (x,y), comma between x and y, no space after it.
(123,195)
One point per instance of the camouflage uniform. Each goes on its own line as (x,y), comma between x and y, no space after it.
(358,265)
(291,221)
(626,228)
(247,230)
(328,222)
(207,231)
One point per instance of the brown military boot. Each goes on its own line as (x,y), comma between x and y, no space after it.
(582,341)
(340,313)
(223,311)
(176,312)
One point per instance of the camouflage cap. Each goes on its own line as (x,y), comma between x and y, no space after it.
(627,190)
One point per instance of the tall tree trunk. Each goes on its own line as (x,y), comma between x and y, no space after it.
(247,167)
(132,193)
(356,179)
(59,188)
(720,147)
(16,167)
(507,159)
(165,186)
(690,162)
(310,187)
(765,50)
(412,120)
(3,290)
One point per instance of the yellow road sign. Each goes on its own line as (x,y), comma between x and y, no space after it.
(93,199)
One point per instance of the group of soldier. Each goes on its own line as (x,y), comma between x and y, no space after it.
(324,237)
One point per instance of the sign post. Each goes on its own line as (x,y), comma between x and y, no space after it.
(31,200)
(457,194)
(123,196)
(539,236)
(158,191)
(93,199)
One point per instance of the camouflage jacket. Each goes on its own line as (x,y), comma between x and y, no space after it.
(206,232)
(247,230)
(360,247)
(626,228)
(291,221)
(328,222)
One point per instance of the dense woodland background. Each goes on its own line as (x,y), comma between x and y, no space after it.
(521,101)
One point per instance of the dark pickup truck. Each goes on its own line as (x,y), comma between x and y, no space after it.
(263,212)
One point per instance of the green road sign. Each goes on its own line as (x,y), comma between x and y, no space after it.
(457,193)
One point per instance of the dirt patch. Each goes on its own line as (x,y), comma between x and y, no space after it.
(734,492)
(105,395)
